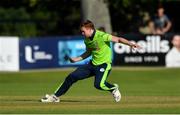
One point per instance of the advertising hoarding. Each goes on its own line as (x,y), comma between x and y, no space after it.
(50,52)
(38,53)
(153,52)
(9,54)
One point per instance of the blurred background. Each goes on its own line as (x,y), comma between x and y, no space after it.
(41,32)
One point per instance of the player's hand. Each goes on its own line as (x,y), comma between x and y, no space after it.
(136,46)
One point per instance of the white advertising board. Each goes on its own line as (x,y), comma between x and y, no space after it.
(9,54)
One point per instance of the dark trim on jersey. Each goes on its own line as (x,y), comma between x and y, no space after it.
(93,34)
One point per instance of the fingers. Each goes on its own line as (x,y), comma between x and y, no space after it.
(136,46)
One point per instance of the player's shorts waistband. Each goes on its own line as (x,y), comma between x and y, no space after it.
(99,64)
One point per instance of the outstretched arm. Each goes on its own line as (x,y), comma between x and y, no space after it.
(124,41)
(81,57)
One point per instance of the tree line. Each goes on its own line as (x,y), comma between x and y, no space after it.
(29,18)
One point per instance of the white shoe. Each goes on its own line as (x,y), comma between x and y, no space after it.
(116,93)
(50,98)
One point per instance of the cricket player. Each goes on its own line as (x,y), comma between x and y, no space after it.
(98,46)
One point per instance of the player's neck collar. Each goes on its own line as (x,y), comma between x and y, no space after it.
(93,34)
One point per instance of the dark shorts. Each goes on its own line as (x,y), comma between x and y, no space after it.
(100,72)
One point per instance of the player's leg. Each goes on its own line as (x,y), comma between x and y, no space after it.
(101,74)
(79,74)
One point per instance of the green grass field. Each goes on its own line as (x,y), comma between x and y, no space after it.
(144,90)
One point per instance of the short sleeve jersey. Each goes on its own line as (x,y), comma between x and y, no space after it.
(100,47)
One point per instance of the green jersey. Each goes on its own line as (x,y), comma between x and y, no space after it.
(100,48)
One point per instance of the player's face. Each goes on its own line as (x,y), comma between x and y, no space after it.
(87,32)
